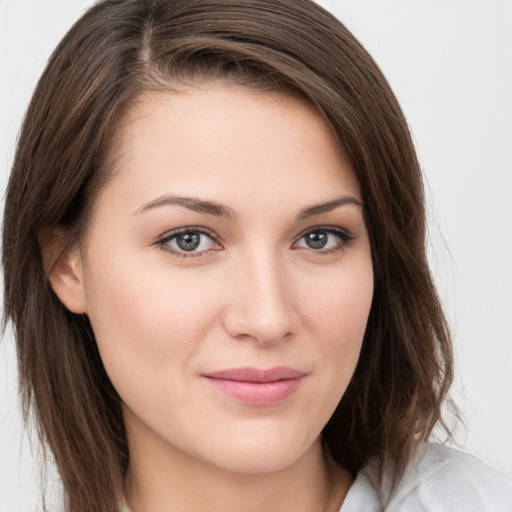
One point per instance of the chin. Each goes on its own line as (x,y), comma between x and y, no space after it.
(258,454)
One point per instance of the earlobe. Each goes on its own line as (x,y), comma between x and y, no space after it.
(64,271)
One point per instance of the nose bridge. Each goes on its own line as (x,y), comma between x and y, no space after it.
(261,308)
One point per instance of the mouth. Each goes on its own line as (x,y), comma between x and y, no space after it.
(256,386)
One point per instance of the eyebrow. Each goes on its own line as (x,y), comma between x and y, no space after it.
(328,206)
(192,203)
(220,210)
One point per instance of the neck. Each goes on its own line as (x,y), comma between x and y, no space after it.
(163,479)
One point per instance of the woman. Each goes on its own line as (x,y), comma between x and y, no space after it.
(215,268)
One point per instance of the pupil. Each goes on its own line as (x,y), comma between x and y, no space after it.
(189,241)
(316,240)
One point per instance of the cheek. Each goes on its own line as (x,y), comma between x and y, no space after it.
(340,307)
(337,315)
(146,322)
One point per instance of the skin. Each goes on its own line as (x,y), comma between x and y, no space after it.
(253,293)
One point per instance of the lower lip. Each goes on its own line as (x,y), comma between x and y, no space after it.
(257,393)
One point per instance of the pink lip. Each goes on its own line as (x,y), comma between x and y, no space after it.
(256,386)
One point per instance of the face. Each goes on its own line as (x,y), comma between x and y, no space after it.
(227,276)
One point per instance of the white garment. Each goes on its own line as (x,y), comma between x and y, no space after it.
(438,479)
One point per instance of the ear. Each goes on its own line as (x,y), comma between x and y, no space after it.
(64,271)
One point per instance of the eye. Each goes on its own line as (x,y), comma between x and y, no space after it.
(188,242)
(324,239)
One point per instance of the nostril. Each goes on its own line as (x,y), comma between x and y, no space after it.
(264,329)
(261,305)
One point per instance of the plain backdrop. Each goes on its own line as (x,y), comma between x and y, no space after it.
(450,64)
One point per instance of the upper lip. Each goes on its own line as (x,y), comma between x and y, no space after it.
(250,374)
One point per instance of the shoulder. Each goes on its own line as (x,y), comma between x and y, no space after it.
(441,478)
(437,479)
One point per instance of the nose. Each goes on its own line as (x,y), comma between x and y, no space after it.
(261,304)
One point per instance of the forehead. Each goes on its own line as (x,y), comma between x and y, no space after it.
(228,141)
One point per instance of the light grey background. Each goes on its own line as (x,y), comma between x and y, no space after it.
(450,64)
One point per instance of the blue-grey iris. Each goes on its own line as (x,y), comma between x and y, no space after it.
(188,241)
(316,240)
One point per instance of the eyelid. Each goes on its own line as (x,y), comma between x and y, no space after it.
(346,238)
(163,240)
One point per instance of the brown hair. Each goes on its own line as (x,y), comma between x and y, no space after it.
(121,48)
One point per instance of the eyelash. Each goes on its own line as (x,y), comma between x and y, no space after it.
(164,242)
(345,239)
